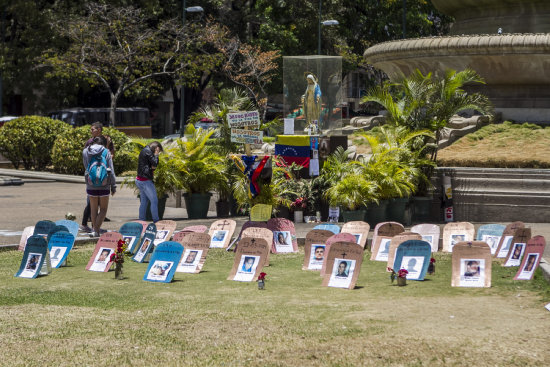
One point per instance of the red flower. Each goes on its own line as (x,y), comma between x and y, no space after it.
(390,269)
(262,276)
(402,273)
(432,260)
(112,257)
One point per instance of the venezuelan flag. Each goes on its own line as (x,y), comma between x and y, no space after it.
(294,149)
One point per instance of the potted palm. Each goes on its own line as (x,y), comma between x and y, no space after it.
(351,193)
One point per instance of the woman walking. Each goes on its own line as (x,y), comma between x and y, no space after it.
(147,162)
(100,180)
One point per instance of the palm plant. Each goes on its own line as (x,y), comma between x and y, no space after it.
(352,191)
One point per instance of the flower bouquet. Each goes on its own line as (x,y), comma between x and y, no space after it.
(261,280)
(431,267)
(118,258)
(401,276)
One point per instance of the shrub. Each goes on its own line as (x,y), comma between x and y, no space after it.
(67,151)
(29,140)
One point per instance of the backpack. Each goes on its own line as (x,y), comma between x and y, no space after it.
(97,171)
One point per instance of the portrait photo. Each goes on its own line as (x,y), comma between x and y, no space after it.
(129,241)
(282,241)
(189,261)
(247,268)
(102,259)
(57,253)
(31,266)
(430,239)
(159,270)
(316,256)
(456,238)
(358,237)
(143,249)
(529,267)
(342,273)
(218,239)
(383,249)
(472,272)
(413,264)
(506,243)
(492,241)
(161,235)
(517,252)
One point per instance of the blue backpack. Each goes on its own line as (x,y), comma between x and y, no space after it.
(97,170)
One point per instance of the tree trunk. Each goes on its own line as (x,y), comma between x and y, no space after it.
(176,106)
(112,112)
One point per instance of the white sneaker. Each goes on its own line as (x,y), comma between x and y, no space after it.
(93,234)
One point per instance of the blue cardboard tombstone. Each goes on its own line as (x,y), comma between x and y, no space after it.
(334,228)
(146,244)
(490,234)
(71,225)
(43,227)
(164,262)
(60,244)
(414,256)
(34,258)
(131,234)
(55,229)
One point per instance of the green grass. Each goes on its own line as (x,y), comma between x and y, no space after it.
(77,317)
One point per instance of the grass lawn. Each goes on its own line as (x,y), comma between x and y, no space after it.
(77,317)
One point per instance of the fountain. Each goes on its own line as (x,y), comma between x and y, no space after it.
(507,42)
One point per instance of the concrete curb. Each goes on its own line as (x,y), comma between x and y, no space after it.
(46,176)
(7,181)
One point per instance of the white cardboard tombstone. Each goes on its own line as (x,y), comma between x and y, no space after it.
(196,247)
(315,249)
(505,242)
(258,232)
(340,237)
(249,249)
(165,229)
(99,261)
(430,233)
(383,233)
(284,235)
(519,242)
(531,259)
(396,241)
(221,232)
(456,232)
(471,265)
(27,232)
(344,262)
(359,229)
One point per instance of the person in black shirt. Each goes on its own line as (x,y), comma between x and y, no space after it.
(148,160)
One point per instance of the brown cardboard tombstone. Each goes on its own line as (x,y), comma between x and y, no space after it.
(258,232)
(284,235)
(249,224)
(340,237)
(430,233)
(27,232)
(359,229)
(471,264)
(531,259)
(315,249)
(195,247)
(221,232)
(144,224)
(165,229)
(396,241)
(105,247)
(516,251)
(249,259)
(344,263)
(456,232)
(506,239)
(383,232)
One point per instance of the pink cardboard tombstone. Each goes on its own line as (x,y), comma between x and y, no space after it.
(359,229)
(340,237)
(249,224)
(196,247)
(506,239)
(249,259)
(284,235)
(456,232)
(258,232)
(315,249)
(197,228)
(105,247)
(165,228)
(144,225)
(27,232)
(471,264)
(519,242)
(221,232)
(396,241)
(430,233)
(344,263)
(531,259)
(383,233)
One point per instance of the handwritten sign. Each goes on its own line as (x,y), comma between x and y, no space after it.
(247,136)
(243,119)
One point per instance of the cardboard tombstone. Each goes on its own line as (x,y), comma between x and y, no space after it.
(260,213)
(395,242)
(146,244)
(42,228)
(359,229)
(344,261)
(60,245)
(383,233)
(165,229)
(55,229)
(131,234)
(144,225)
(491,235)
(531,259)
(456,232)
(506,239)
(249,259)
(27,232)
(164,261)
(249,224)
(340,237)
(413,256)
(284,235)
(334,228)
(258,232)
(315,249)
(196,247)
(519,242)
(35,258)
(105,247)
(430,233)
(221,232)
(471,265)
(200,228)
(71,225)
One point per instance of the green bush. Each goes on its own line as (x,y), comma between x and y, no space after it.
(29,140)
(67,151)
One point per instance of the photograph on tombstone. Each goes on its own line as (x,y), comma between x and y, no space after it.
(516,255)
(218,239)
(472,273)
(529,267)
(282,241)
(429,238)
(247,268)
(506,243)
(383,250)
(317,254)
(358,237)
(456,238)
(31,266)
(189,262)
(57,253)
(492,241)
(102,259)
(342,273)
(129,241)
(143,250)
(161,236)
(159,270)
(413,264)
